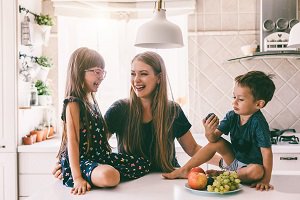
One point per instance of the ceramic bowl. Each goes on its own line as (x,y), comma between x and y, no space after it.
(248,50)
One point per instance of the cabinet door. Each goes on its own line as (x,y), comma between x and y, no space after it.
(8,74)
(8,176)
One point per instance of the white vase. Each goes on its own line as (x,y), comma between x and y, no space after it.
(24,94)
(43,100)
(45,33)
(42,74)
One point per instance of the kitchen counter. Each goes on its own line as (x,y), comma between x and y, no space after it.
(53,145)
(153,186)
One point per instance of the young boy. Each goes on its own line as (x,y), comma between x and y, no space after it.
(249,152)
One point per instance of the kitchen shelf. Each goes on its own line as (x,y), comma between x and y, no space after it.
(294,54)
(36,107)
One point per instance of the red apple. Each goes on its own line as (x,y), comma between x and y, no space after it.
(197,180)
(197,169)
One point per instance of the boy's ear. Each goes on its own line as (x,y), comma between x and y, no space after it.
(260,104)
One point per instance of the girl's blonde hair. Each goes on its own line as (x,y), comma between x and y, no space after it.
(81,59)
(163,116)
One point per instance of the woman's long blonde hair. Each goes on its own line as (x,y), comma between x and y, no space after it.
(81,59)
(163,116)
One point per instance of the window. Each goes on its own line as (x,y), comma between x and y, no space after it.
(114,39)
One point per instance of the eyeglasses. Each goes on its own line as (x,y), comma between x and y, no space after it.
(97,72)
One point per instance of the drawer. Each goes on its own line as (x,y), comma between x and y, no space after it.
(286,161)
(30,184)
(36,163)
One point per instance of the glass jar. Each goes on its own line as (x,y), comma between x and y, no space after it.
(34,95)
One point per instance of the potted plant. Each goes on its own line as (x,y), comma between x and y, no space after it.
(45,23)
(43,20)
(39,132)
(43,92)
(45,64)
(44,61)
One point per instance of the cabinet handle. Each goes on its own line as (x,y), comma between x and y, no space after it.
(2,147)
(288,158)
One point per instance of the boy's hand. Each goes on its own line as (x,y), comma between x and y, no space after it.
(81,186)
(210,124)
(262,186)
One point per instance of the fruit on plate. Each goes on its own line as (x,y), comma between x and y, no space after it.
(197,169)
(210,114)
(197,180)
(225,182)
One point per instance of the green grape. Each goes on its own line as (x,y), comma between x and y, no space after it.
(226,173)
(226,187)
(226,181)
(237,181)
(232,187)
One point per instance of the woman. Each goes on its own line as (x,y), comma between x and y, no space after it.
(147,123)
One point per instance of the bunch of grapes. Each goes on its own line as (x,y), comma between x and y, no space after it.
(225,182)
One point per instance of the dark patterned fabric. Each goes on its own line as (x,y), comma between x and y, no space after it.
(116,118)
(130,167)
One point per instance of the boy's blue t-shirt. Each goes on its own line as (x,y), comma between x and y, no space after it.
(247,139)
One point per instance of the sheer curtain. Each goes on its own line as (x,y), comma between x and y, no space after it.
(114,39)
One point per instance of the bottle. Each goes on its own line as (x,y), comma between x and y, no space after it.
(34,95)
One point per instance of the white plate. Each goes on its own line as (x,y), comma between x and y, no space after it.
(206,192)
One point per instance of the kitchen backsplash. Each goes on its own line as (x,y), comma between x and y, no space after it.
(211,76)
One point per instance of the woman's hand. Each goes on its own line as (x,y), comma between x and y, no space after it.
(57,171)
(80,187)
(177,173)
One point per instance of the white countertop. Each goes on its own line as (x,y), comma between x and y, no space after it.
(154,187)
(53,145)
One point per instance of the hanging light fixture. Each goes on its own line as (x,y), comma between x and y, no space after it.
(159,33)
(294,38)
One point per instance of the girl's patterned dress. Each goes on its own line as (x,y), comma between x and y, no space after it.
(130,167)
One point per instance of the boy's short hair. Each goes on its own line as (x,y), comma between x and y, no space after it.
(260,84)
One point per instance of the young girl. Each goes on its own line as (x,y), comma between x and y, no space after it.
(85,154)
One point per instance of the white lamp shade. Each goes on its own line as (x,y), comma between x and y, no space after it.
(294,38)
(159,33)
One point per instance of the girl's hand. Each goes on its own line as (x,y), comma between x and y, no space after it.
(57,171)
(80,186)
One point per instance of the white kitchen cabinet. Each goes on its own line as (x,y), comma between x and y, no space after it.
(36,163)
(8,176)
(35,172)
(8,101)
(286,162)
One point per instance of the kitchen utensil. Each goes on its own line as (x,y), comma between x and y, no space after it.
(293,22)
(268,25)
(282,24)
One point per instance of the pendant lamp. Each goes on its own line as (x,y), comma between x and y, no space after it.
(294,38)
(159,33)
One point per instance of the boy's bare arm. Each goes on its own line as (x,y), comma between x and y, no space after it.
(267,155)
